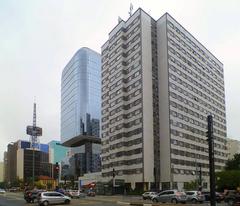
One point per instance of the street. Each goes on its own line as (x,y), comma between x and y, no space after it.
(16,199)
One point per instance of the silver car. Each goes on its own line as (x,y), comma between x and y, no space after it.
(173,196)
(195,196)
(46,198)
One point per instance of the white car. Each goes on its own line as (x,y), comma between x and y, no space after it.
(148,195)
(2,191)
(75,194)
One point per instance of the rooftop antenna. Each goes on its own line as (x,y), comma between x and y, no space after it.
(119,19)
(131,9)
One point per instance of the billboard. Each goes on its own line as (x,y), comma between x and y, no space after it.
(34,131)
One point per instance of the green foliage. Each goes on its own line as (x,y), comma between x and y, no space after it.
(233,164)
(193,185)
(3,184)
(228,179)
(39,185)
(49,186)
(18,183)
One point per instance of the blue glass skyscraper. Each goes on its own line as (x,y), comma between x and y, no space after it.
(81,95)
(81,112)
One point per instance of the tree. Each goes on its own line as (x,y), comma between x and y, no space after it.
(191,185)
(40,185)
(3,184)
(233,164)
(49,185)
(229,179)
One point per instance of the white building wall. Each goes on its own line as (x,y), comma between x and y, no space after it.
(20,163)
(147,99)
(233,147)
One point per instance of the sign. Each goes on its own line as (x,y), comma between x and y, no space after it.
(34,131)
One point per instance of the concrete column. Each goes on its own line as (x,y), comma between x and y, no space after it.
(88,152)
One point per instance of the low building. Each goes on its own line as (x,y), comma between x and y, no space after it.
(47,182)
(25,164)
(57,152)
(1,171)
(233,147)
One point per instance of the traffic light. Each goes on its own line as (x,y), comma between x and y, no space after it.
(209,132)
(56,170)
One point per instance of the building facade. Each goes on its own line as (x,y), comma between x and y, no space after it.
(81,111)
(158,86)
(1,171)
(24,169)
(11,160)
(233,147)
(5,162)
(81,95)
(57,152)
(18,161)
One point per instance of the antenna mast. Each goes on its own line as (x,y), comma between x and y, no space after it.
(131,9)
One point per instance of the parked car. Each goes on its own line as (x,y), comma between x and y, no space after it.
(75,193)
(46,198)
(2,191)
(14,189)
(219,196)
(148,195)
(31,195)
(91,193)
(232,197)
(173,196)
(82,194)
(195,196)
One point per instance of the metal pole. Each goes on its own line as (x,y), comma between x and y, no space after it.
(200,175)
(33,170)
(211,160)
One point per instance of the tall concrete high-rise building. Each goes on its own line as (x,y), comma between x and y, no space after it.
(81,109)
(158,85)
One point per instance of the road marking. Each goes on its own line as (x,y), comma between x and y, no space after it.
(123,203)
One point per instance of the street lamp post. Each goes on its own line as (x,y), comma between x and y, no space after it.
(200,175)
(33,165)
(113,175)
(172,175)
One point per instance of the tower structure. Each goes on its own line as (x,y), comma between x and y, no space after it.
(34,131)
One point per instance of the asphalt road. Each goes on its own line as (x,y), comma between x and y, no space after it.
(13,199)
(16,199)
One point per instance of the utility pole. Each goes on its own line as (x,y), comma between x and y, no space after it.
(211,160)
(33,146)
(113,175)
(200,175)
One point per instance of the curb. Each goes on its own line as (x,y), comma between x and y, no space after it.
(144,204)
(137,204)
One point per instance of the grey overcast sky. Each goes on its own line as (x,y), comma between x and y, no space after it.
(38,38)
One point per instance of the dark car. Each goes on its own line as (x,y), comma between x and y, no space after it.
(232,197)
(31,195)
(219,196)
(91,193)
